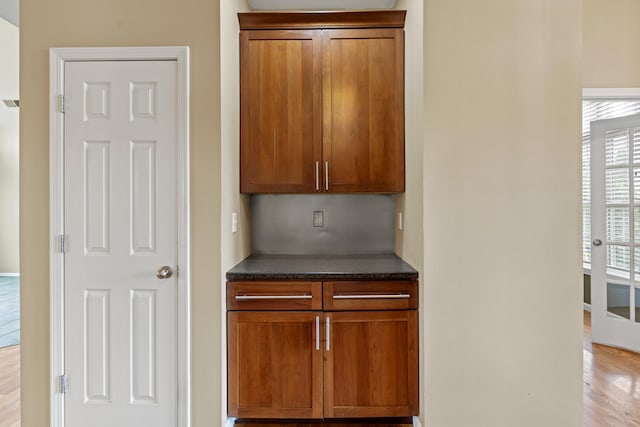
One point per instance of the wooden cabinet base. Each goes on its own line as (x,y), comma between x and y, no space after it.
(318,364)
(378,422)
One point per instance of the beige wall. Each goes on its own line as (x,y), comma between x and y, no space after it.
(502,270)
(611,43)
(409,242)
(9,244)
(235,246)
(46,24)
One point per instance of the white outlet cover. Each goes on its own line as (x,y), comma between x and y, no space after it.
(321,4)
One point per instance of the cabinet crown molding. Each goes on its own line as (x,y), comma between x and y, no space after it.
(325,20)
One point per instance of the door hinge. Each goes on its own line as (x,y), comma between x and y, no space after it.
(64,384)
(62,243)
(61,104)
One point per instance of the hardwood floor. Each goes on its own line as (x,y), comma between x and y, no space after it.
(611,384)
(10,386)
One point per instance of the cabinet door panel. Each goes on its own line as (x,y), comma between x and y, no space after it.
(280,107)
(371,364)
(363,109)
(274,365)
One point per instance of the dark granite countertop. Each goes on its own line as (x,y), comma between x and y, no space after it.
(322,267)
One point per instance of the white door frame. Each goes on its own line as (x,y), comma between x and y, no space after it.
(57,59)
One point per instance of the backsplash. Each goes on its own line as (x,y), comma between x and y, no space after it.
(323,224)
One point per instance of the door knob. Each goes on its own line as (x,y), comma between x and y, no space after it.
(164,273)
(597,242)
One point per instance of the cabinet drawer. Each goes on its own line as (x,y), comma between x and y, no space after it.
(274,295)
(370,295)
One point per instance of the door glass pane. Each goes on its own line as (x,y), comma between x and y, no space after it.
(617,147)
(617,185)
(636,145)
(586,231)
(636,263)
(618,300)
(618,260)
(636,183)
(618,225)
(637,305)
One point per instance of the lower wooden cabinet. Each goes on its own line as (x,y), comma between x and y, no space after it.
(274,364)
(371,364)
(360,363)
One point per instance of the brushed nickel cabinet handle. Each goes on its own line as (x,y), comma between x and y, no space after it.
(326,175)
(328,324)
(317,175)
(317,333)
(373,296)
(270,297)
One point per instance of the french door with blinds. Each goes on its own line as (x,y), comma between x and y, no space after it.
(593,109)
(615,231)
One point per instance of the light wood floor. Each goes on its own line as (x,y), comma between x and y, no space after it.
(611,385)
(10,386)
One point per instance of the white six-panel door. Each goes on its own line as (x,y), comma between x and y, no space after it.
(615,232)
(120,132)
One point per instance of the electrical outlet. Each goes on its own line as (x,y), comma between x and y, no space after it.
(400,221)
(234,222)
(318,218)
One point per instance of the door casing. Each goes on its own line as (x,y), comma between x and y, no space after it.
(57,59)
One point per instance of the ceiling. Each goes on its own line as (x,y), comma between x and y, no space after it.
(10,11)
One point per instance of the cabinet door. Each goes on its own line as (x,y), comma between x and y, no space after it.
(274,364)
(363,110)
(280,98)
(371,364)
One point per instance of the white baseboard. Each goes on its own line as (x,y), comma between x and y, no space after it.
(10,274)
(587,307)
(416,422)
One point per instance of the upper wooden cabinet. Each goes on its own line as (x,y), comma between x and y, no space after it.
(279,110)
(322,102)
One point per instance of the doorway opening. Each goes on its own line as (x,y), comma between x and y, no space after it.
(598,105)
(9,217)
(611,394)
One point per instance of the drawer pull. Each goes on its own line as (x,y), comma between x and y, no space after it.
(328,333)
(270,297)
(373,296)
(326,176)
